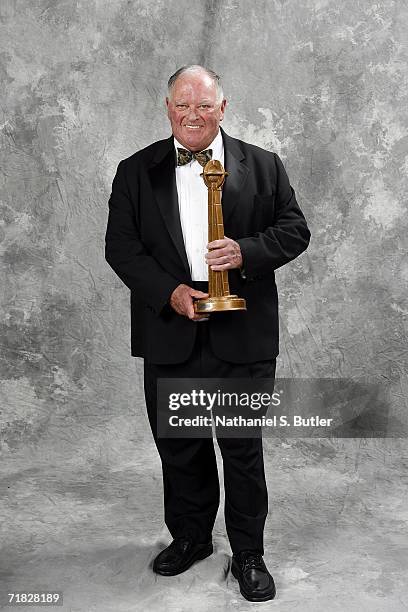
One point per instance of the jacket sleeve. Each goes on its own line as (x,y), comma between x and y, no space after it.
(281,242)
(126,254)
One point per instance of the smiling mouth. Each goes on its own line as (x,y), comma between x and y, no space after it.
(193,127)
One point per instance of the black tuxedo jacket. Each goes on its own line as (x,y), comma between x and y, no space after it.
(145,247)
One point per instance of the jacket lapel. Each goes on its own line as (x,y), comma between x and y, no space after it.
(237,174)
(163,181)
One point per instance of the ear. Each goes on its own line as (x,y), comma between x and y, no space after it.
(168,107)
(222,109)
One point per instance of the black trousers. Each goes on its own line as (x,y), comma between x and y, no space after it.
(190,475)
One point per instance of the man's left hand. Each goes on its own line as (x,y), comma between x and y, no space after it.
(224,254)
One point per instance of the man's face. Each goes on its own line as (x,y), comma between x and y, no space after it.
(193,110)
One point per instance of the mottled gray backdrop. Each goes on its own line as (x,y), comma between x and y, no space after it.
(321,82)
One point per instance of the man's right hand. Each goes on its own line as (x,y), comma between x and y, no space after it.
(181,300)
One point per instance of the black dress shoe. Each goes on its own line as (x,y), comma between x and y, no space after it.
(180,555)
(255,582)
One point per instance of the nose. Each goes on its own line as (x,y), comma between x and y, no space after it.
(192,114)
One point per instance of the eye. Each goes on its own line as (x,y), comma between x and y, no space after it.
(205,106)
(181,105)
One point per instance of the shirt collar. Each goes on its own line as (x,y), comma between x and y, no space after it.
(216,145)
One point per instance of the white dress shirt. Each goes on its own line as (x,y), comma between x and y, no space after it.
(193,207)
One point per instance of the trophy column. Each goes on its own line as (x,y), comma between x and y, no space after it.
(218,287)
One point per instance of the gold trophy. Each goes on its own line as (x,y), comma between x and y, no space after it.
(218,287)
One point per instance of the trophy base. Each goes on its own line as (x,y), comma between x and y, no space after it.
(219,304)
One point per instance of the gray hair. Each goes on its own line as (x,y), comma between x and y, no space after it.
(197,68)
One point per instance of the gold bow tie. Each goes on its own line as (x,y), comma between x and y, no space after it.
(185,157)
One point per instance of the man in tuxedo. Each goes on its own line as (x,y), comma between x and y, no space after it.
(156,242)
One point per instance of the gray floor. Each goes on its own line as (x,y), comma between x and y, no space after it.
(336,536)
